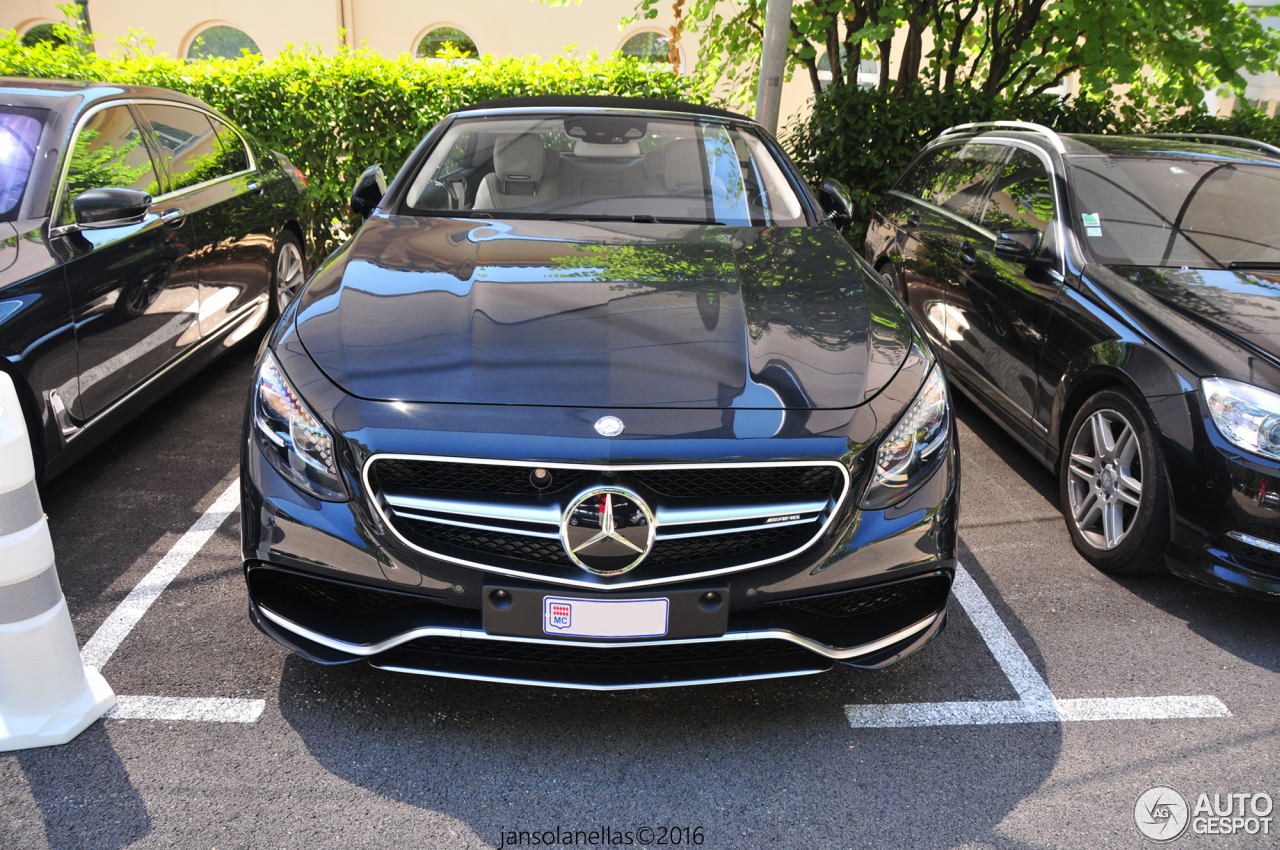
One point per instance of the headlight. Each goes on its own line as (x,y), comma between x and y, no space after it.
(911,451)
(1247,416)
(292,438)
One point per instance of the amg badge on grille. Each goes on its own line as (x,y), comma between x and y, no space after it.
(609,426)
(607,531)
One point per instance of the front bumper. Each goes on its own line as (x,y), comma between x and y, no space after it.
(1227,529)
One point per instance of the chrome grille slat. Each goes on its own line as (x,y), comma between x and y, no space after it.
(710,532)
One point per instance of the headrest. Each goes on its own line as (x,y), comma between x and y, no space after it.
(585,149)
(654,162)
(518,158)
(683,166)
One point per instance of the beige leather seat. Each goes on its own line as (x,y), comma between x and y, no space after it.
(520,175)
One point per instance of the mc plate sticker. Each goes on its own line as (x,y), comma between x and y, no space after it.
(615,618)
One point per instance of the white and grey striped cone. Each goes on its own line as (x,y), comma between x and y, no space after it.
(47,695)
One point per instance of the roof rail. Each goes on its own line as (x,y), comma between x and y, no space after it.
(1038,129)
(1235,140)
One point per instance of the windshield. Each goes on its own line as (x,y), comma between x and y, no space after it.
(1206,212)
(19,134)
(602,166)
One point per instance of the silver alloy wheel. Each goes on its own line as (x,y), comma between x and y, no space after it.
(289,274)
(1106,479)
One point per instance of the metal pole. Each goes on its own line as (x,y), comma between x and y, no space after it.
(773,63)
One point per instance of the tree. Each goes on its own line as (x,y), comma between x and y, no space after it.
(1165,50)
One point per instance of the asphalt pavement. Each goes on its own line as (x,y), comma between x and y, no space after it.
(352,757)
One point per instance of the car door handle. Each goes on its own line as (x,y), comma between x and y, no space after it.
(173,217)
(968,255)
(913,218)
(254,188)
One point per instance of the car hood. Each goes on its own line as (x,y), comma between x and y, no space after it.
(575,314)
(1213,311)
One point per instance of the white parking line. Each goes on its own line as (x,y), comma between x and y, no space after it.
(107,639)
(214,709)
(1035,703)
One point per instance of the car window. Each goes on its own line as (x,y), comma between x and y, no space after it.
(235,157)
(606,166)
(964,187)
(1178,211)
(188,144)
(923,177)
(108,153)
(19,135)
(1022,196)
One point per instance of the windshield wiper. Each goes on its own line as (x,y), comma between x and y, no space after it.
(1246,265)
(638,219)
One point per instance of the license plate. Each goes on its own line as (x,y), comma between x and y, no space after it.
(613,618)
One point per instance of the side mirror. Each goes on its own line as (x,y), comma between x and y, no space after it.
(110,207)
(833,197)
(1017,246)
(368,192)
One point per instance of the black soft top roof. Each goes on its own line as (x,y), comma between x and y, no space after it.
(647,104)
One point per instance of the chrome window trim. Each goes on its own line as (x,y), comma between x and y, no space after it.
(832,652)
(59,229)
(371,496)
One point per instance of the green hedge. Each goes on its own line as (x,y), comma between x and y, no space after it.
(335,114)
(865,138)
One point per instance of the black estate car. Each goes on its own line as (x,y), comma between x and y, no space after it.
(1114,303)
(141,235)
(596,397)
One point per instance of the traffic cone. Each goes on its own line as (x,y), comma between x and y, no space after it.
(47,695)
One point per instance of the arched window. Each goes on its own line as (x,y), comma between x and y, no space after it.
(432,44)
(649,46)
(41,33)
(221,42)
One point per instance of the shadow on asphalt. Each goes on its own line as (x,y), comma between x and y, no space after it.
(1244,626)
(84,794)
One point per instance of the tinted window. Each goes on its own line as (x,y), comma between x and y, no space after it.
(965,185)
(187,143)
(922,177)
(108,153)
(1199,213)
(234,156)
(19,134)
(1022,196)
(602,165)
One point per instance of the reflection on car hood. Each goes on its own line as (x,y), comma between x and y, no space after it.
(1243,306)
(580,314)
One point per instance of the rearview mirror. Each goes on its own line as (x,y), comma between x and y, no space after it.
(95,208)
(1017,246)
(369,190)
(834,200)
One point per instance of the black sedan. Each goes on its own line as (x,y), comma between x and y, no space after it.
(597,398)
(141,235)
(1114,303)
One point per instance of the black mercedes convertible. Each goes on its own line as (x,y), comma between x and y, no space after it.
(598,397)
(1114,302)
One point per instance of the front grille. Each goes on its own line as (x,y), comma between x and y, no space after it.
(741,481)
(492,516)
(430,476)
(538,549)
(854,602)
(721,545)
(603,655)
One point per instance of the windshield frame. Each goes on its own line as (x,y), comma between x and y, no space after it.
(395,201)
(1214,158)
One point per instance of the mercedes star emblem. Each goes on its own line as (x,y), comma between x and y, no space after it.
(609,426)
(607,531)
